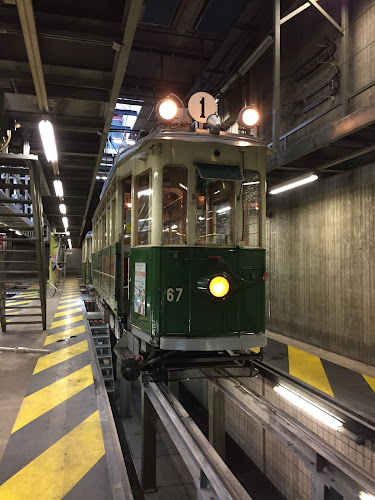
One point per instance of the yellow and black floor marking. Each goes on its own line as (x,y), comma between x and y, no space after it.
(350,387)
(56,449)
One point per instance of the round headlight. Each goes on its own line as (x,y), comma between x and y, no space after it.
(219,286)
(248,117)
(167,110)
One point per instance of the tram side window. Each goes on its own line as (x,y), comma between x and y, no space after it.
(127,184)
(214,211)
(251,208)
(174,205)
(144,193)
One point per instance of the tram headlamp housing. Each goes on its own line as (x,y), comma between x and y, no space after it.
(167,109)
(219,286)
(248,117)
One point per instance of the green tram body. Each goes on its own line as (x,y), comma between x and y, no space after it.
(155,278)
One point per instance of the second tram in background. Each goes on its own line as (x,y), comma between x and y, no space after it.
(177,247)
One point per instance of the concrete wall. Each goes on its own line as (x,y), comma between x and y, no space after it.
(73,262)
(321,261)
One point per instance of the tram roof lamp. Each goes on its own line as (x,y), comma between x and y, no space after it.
(57,184)
(48,140)
(248,117)
(167,110)
(293,183)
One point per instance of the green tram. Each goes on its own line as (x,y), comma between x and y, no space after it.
(178,246)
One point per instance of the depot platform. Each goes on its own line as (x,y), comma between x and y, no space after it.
(63,441)
(344,380)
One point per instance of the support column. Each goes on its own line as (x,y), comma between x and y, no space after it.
(148,448)
(276,77)
(216,418)
(344,89)
(125,397)
(317,488)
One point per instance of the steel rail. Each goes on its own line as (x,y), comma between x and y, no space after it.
(211,476)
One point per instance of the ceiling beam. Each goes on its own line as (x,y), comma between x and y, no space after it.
(132,13)
(26,14)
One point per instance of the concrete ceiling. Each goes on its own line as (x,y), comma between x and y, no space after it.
(90,53)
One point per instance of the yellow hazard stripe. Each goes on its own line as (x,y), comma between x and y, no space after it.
(74,303)
(59,356)
(71,311)
(46,399)
(58,469)
(55,337)
(370,381)
(68,301)
(67,321)
(308,368)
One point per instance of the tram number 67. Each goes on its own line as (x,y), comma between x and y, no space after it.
(174,294)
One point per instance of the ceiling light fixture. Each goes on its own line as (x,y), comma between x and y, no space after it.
(65,222)
(62,208)
(70,243)
(293,183)
(57,184)
(48,140)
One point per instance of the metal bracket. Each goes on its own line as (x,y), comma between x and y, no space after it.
(326,15)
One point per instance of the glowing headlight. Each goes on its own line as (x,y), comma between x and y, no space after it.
(219,286)
(167,110)
(248,117)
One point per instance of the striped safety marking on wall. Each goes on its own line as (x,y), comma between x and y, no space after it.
(348,386)
(56,445)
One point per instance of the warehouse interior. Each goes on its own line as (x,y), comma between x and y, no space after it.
(96,71)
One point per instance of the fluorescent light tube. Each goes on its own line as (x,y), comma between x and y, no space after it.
(57,184)
(293,183)
(146,192)
(65,222)
(308,407)
(365,496)
(62,208)
(70,243)
(223,210)
(48,139)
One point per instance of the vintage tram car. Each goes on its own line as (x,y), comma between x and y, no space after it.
(177,248)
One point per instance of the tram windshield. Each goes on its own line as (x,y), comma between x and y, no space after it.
(214,211)
(174,205)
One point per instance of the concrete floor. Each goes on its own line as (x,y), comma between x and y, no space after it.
(16,369)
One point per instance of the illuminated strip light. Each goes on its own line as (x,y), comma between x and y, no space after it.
(57,184)
(65,222)
(70,243)
(365,496)
(62,208)
(146,192)
(250,183)
(223,210)
(298,181)
(308,407)
(48,139)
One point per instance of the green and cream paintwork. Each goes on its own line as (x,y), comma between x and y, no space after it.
(236,321)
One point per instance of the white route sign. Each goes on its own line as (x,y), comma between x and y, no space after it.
(201,105)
